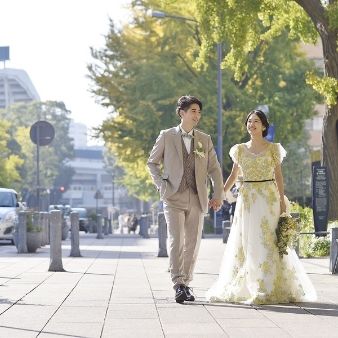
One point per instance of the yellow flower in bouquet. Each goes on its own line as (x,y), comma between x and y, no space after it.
(286,233)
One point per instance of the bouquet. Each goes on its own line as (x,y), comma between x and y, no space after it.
(286,233)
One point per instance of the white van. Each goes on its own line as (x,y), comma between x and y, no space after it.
(8,213)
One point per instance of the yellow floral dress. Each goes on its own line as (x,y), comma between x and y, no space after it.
(252,271)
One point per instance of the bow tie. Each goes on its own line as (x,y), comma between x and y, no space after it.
(188,136)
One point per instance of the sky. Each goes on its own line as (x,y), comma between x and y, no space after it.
(51,40)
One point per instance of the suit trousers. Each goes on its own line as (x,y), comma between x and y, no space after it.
(184,219)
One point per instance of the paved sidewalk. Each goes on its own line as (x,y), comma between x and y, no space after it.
(120,288)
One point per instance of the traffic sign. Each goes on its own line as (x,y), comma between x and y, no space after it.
(42,133)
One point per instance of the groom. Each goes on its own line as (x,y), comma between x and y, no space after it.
(180,163)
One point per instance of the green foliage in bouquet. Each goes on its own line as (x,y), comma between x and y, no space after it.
(286,233)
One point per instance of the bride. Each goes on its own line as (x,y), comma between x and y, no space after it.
(252,271)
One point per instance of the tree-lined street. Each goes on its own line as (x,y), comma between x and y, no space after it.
(147,64)
(118,286)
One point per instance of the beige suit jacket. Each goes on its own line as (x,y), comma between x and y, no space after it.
(165,164)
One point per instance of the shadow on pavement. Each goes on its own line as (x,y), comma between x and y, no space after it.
(317,309)
(56,334)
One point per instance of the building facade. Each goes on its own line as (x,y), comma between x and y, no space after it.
(16,87)
(78,132)
(94,185)
(314,126)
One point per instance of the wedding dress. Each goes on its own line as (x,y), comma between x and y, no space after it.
(252,271)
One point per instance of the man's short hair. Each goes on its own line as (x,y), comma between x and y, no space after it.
(184,102)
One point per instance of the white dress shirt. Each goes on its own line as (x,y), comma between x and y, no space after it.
(187,140)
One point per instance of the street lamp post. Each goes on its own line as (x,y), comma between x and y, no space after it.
(113,192)
(113,197)
(162,15)
(219,106)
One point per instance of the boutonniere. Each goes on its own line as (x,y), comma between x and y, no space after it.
(199,151)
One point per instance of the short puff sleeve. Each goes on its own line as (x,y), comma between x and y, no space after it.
(278,153)
(234,153)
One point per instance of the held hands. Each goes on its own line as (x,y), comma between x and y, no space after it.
(215,204)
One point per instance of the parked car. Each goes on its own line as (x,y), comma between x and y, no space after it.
(83,219)
(8,213)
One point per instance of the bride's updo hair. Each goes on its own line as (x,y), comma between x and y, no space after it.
(263,119)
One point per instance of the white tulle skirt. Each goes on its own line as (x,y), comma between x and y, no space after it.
(252,271)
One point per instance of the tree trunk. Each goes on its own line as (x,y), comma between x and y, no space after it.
(330,123)
(316,11)
(330,158)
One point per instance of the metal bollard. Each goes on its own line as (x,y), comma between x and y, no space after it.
(105,227)
(203,235)
(75,235)
(22,233)
(64,228)
(99,227)
(44,224)
(41,226)
(333,251)
(55,241)
(110,228)
(141,226)
(162,235)
(36,219)
(226,225)
(296,216)
(48,228)
(46,219)
(144,225)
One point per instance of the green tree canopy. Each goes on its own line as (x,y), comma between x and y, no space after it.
(54,170)
(248,24)
(9,163)
(146,65)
